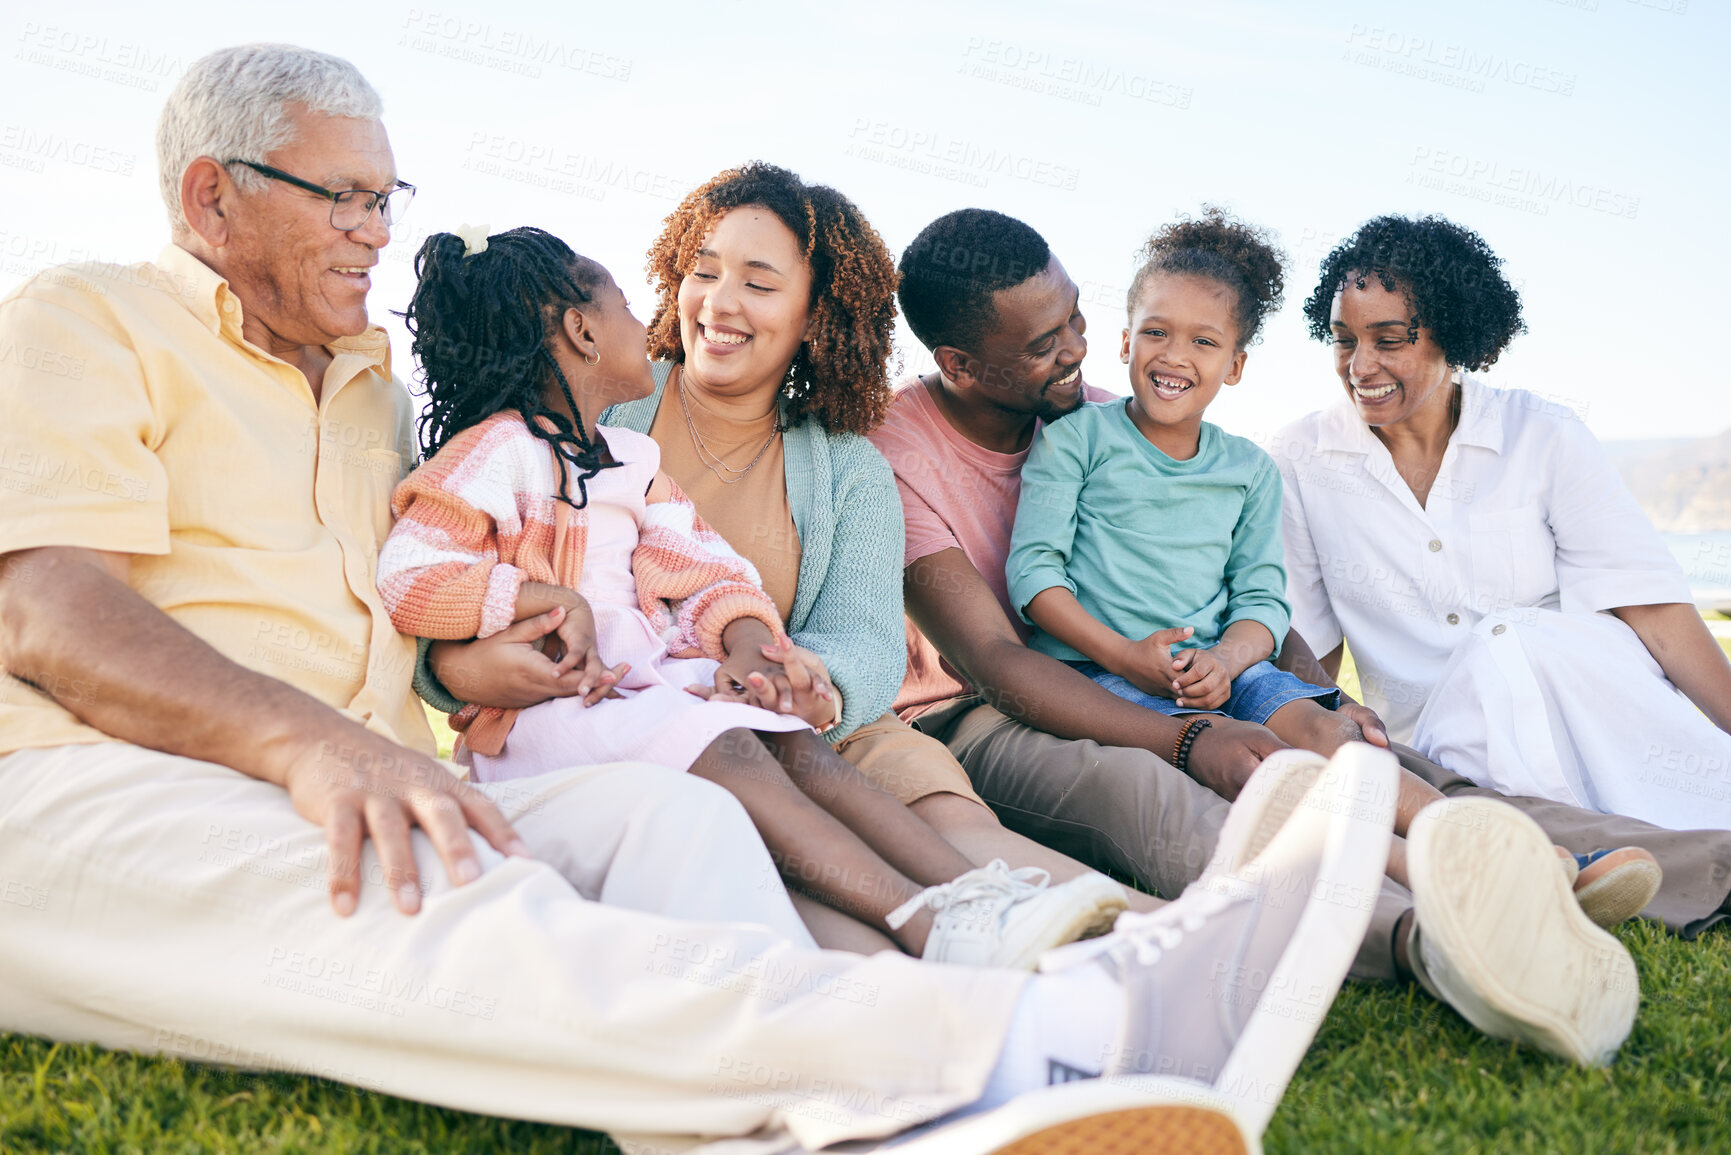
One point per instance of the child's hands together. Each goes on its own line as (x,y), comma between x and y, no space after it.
(1202,681)
(572,646)
(1196,678)
(1148,664)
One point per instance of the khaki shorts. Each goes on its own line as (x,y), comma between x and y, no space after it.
(899,759)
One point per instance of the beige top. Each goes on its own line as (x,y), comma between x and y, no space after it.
(139,420)
(752,513)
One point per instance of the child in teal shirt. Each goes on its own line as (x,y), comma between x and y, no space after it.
(1143,527)
(1147,549)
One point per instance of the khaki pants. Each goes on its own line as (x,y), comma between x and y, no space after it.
(161,904)
(1130,811)
(899,759)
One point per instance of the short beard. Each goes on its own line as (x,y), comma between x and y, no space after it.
(1048,410)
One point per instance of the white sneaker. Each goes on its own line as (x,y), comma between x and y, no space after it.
(1262,808)
(1229,984)
(1096,1117)
(993,916)
(1501,938)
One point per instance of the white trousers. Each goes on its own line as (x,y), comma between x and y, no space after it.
(645,974)
(1572,707)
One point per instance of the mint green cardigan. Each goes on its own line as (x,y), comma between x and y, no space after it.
(847,605)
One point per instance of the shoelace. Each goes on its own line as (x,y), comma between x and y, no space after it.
(1150,934)
(995,880)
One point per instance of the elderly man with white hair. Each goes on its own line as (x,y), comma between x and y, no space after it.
(206,727)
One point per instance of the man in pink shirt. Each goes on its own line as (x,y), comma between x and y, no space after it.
(1058,757)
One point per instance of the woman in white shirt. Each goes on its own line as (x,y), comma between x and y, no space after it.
(1512,612)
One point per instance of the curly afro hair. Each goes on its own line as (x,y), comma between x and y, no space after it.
(839,377)
(953,267)
(1453,284)
(1225,250)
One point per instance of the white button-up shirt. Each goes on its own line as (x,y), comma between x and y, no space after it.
(1526,511)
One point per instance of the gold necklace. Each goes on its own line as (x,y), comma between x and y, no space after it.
(705,454)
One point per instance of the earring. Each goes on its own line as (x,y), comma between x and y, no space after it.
(596,361)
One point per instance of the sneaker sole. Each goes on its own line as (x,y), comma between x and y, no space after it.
(1348,810)
(1522,960)
(1136,1131)
(1263,806)
(1096,1117)
(1621,890)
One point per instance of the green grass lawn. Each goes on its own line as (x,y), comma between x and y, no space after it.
(1391,1071)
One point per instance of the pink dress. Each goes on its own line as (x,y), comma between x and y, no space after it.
(655,719)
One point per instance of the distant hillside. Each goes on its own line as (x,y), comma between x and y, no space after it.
(1684,484)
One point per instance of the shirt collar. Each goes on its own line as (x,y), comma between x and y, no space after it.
(1342,430)
(195,284)
(1481,424)
(1481,421)
(206,295)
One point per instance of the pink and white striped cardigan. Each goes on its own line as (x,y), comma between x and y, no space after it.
(480,519)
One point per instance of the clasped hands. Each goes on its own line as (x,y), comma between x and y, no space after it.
(553,655)
(1196,678)
(767,670)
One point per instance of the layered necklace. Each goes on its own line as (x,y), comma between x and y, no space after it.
(711,460)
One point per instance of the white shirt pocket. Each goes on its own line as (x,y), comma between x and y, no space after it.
(1514,559)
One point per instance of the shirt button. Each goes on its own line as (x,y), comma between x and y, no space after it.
(1435,545)
(1454,619)
(1498,629)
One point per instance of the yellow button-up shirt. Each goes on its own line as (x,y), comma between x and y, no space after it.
(135,418)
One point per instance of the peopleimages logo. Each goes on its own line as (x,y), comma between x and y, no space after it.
(1459,65)
(1530,189)
(549,164)
(937,153)
(520,51)
(369,988)
(96,56)
(1033,68)
(37,148)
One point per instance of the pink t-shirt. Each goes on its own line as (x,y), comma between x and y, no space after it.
(955,495)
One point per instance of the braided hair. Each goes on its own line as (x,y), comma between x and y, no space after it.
(480,325)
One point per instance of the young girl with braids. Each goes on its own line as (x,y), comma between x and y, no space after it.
(527,506)
(1147,549)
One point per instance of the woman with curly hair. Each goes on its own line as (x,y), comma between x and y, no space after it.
(770,336)
(1511,610)
(528,505)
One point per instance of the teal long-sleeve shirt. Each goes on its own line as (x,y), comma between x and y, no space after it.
(1144,541)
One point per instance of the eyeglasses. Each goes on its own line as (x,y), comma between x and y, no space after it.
(350,208)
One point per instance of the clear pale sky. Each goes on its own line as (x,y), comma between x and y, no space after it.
(1585,139)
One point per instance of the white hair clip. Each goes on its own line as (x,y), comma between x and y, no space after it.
(474,238)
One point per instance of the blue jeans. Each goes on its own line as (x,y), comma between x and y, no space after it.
(1256,693)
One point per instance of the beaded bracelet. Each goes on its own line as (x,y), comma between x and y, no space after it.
(1186,739)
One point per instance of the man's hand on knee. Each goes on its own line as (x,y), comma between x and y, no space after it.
(360,785)
(1224,755)
(1370,725)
